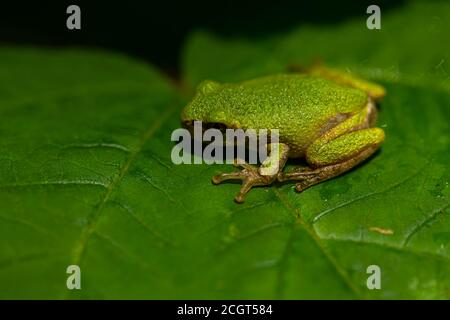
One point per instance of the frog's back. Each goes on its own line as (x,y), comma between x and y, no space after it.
(297,105)
(287,98)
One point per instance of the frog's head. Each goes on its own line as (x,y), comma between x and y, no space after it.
(206,106)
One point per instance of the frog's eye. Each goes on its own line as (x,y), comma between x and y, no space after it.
(208,86)
(216,125)
(188,123)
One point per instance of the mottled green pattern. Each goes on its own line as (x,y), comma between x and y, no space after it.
(86,177)
(402,191)
(299,106)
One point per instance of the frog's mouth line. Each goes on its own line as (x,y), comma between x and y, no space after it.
(189,124)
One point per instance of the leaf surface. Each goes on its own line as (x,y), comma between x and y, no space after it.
(86,176)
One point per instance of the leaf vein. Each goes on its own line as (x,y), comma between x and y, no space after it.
(311,232)
(365,196)
(81,244)
(422,224)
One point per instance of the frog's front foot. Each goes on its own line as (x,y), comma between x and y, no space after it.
(250,177)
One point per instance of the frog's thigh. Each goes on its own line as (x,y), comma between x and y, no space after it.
(335,157)
(374,90)
(344,147)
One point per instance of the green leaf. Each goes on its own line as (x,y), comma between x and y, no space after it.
(412,47)
(86,176)
(391,211)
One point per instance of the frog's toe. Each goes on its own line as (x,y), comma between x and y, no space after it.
(299,174)
(300,186)
(250,178)
(247,185)
(240,197)
(304,175)
(248,172)
(309,181)
(226,176)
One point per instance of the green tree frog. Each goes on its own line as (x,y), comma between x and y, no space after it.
(323,115)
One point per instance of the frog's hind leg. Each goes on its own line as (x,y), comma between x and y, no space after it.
(309,177)
(339,149)
(252,176)
(374,90)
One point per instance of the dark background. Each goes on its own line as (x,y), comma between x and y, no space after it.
(155,30)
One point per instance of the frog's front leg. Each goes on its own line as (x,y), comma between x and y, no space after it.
(337,151)
(252,176)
